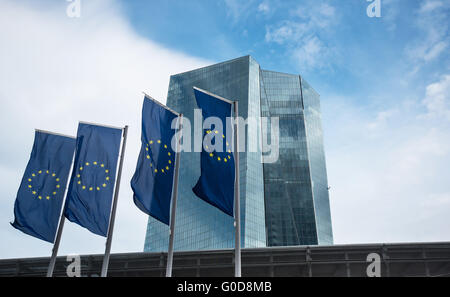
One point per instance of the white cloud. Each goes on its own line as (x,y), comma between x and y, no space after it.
(301,34)
(390,13)
(238,9)
(431,21)
(435,51)
(55,71)
(286,32)
(327,10)
(317,15)
(311,54)
(437,200)
(388,168)
(437,99)
(382,118)
(428,6)
(264,7)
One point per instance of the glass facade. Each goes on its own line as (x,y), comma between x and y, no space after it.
(318,170)
(295,187)
(284,203)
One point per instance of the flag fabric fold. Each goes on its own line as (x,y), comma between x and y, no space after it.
(153,179)
(41,193)
(216,182)
(92,182)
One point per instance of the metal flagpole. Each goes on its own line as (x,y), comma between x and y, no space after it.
(62,219)
(114,207)
(237,204)
(174,203)
(51,266)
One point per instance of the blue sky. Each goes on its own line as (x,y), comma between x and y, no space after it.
(334,44)
(384,85)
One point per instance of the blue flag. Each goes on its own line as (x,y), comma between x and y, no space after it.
(41,193)
(153,179)
(91,186)
(216,182)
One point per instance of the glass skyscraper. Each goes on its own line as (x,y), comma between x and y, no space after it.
(282,203)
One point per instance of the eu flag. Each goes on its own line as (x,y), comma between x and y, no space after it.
(216,182)
(91,186)
(41,193)
(153,179)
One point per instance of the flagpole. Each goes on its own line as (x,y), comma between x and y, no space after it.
(237,203)
(174,203)
(62,219)
(51,266)
(114,207)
